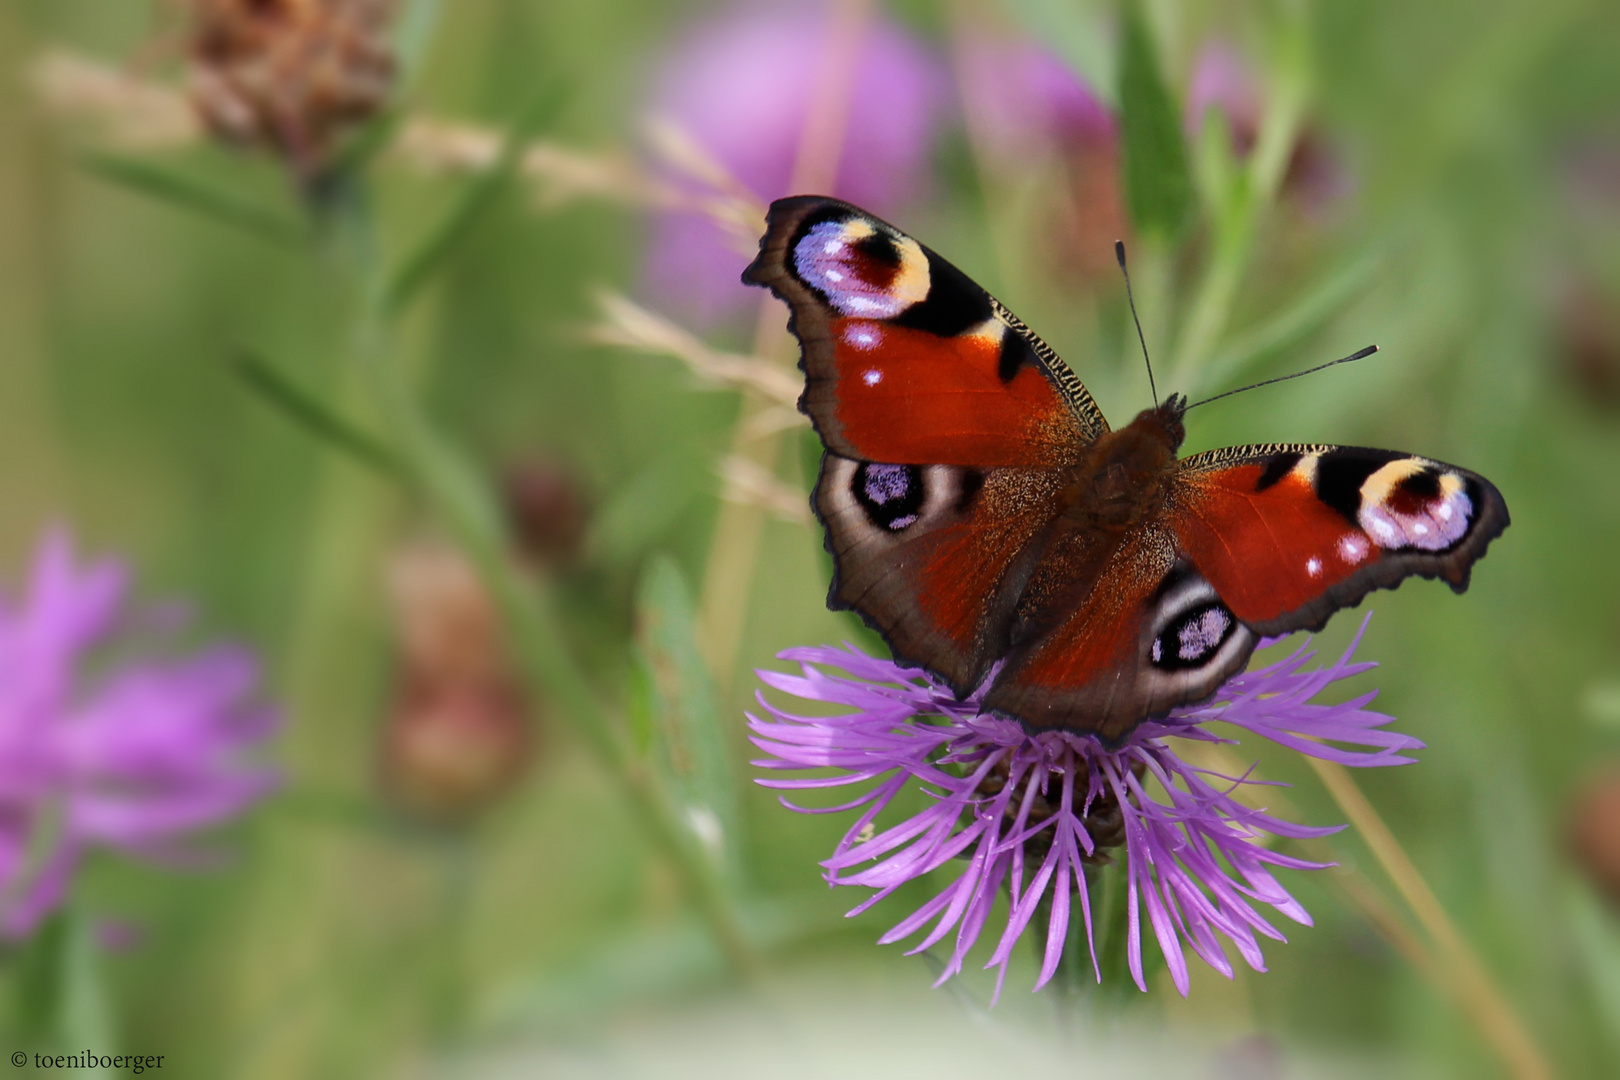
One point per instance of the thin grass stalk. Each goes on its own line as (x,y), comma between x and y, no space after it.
(1236,221)
(1438,970)
(1493,1015)
(728,575)
(541,647)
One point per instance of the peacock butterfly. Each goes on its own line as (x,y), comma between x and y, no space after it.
(985,520)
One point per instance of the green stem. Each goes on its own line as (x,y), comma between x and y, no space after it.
(462,504)
(1236,220)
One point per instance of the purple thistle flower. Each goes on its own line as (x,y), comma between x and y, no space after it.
(1025,98)
(100,750)
(1029,813)
(741,85)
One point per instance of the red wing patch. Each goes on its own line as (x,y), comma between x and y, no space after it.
(906,359)
(906,395)
(1289,535)
(1268,552)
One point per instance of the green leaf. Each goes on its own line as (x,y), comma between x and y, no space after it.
(1157,184)
(638,513)
(413,34)
(312,414)
(184,191)
(1290,327)
(433,250)
(690,743)
(363,147)
(1221,178)
(61,1000)
(638,964)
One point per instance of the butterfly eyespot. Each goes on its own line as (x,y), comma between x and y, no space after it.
(1192,638)
(861,269)
(891,495)
(1410,503)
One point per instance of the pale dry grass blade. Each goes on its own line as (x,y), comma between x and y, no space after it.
(631,326)
(128,111)
(1445,960)
(1495,1018)
(748,483)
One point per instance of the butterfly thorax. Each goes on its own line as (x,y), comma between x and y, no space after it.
(1122,477)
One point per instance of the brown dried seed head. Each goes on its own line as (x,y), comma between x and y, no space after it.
(289,75)
(547,510)
(448,627)
(450,750)
(1594,832)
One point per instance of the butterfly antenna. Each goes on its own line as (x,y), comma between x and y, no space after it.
(1359,355)
(1119,253)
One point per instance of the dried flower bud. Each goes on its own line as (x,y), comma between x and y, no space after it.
(451,749)
(449,630)
(1594,832)
(290,75)
(547,511)
(1590,332)
(459,734)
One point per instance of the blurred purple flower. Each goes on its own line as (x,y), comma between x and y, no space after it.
(97,749)
(1024,98)
(1224,79)
(741,85)
(1041,808)
(1027,110)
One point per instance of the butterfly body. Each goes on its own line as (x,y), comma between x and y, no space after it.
(984,518)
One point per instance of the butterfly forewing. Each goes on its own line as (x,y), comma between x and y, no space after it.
(1290,534)
(906,360)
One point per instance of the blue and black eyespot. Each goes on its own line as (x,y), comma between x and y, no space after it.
(891,495)
(1193,637)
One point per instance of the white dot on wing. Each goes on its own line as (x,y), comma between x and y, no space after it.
(835,275)
(872,377)
(1313,566)
(832,247)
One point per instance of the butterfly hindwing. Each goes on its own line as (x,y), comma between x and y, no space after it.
(906,360)
(934,557)
(1289,534)
(1150,634)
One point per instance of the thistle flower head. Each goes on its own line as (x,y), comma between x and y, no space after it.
(1028,813)
(97,749)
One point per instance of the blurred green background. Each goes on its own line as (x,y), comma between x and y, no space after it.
(1472,231)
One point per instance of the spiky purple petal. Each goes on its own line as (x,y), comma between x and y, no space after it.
(1195,856)
(134,758)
